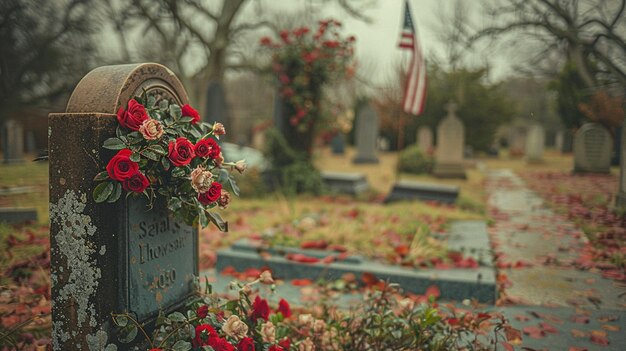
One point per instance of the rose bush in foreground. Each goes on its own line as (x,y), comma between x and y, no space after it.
(383,321)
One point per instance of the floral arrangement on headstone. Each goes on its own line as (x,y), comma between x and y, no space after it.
(304,61)
(165,151)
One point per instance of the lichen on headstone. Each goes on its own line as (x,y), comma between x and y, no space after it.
(80,272)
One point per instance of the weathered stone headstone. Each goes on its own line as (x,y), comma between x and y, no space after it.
(338,144)
(12,141)
(216,109)
(621,195)
(617,147)
(366,135)
(535,142)
(450,143)
(109,257)
(517,142)
(425,139)
(592,149)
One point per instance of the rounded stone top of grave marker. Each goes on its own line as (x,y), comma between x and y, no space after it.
(107,88)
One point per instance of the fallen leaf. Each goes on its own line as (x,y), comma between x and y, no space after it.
(534,332)
(579,333)
(301,282)
(610,327)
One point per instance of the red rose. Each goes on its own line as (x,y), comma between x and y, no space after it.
(283,308)
(285,343)
(136,183)
(220,344)
(181,152)
(246,344)
(202,311)
(189,111)
(275,348)
(134,117)
(120,167)
(211,195)
(207,148)
(260,309)
(266,41)
(204,333)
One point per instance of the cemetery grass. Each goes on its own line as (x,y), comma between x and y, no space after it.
(26,174)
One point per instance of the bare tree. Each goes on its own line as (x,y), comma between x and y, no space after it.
(45,48)
(591,33)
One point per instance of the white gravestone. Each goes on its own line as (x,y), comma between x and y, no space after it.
(450,142)
(366,135)
(535,141)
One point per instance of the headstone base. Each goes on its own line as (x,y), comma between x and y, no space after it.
(346,183)
(14,215)
(449,170)
(422,191)
(591,170)
(364,159)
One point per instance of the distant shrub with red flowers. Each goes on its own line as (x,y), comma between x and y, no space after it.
(165,151)
(304,60)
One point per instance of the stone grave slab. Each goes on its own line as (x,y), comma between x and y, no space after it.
(16,215)
(592,149)
(455,284)
(450,145)
(535,143)
(109,257)
(338,144)
(345,182)
(409,190)
(425,139)
(621,195)
(12,141)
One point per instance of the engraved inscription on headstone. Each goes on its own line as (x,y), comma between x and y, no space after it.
(592,149)
(161,265)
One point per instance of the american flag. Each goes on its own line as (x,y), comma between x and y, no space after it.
(415,89)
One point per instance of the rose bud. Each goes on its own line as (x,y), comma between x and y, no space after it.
(202,311)
(306,345)
(134,117)
(260,309)
(120,167)
(305,319)
(219,160)
(188,111)
(211,195)
(218,129)
(266,277)
(181,152)
(201,179)
(240,166)
(235,328)
(151,129)
(318,326)
(284,308)
(246,344)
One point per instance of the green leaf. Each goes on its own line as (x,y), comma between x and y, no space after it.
(202,219)
(186,119)
(181,345)
(218,221)
(102,191)
(101,176)
(159,149)
(196,134)
(151,101)
(135,156)
(178,172)
(223,176)
(175,111)
(233,185)
(120,321)
(118,131)
(174,203)
(162,320)
(166,163)
(163,105)
(114,144)
(127,334)
(231,305)
(117,192)
(177,317)
(150,154)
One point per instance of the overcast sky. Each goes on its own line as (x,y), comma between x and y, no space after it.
(377,42)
